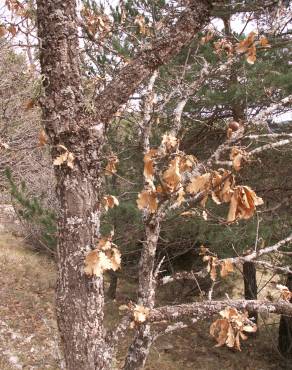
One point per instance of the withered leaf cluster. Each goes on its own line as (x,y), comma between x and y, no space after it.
(165,171)
(230,329)
(105,257)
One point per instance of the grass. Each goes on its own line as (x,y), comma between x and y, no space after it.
(28,332)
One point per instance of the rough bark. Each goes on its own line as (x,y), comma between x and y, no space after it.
(139,349)
(203,310)
(285,328)
(79,300)
(250,284)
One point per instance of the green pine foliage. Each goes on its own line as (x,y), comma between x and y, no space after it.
(30,210)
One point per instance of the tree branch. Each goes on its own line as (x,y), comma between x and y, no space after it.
(118,91)
(203,310)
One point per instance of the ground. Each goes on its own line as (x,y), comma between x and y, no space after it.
(29,338)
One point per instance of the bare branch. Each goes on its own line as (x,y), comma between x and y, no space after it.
(203,310)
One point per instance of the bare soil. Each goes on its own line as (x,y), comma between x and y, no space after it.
(29,337)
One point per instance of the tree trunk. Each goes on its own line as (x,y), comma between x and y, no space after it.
(250,284)
(139,349)
(112,290)
(79,299)
(285,329)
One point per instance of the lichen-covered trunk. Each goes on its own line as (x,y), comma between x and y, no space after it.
(139,349)
(80,300)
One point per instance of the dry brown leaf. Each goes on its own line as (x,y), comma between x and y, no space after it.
(147,199)
(2,31)
(180,196)
(229,133)
(169,142)
(243,203)
(199,183)
(61,159)
(140,313)
(70,160)
(187,163)
(140,22)
(229,330)
(105,257)
(238,156)
(188,213)
(149,164)
(251,55)
(264,42)
(222,185)
(223,45)
(115,258)
(285,292)
(43,139)
(226,267)
(111,165)
(96,262)
(67,157)
(172,177)
(105,243)
(219,330)
(12,30)
(207,38)
(243,45)
(109,201)
(212,265)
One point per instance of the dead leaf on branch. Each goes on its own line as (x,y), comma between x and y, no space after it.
(140,22)
(2,31)
(169,142)
(238,156)
(226,267)
(109,201)
(222,184)
(205,39)
(149,165)
(251,55)
(172,177)
(223,45)
(180,196)
(43,139)
(67,157)
(187,162)
(212,265)
(110,168)
(243,203)
(285,292)
(147,200)
(245,44)
(199,183)
(140,313)
(264,42)
(105,257)
(230,329)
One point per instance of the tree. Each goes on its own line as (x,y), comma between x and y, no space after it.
(174,180)
(80,300)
